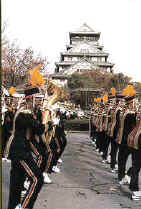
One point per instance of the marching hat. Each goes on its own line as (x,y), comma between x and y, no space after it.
(30,90)
(120,96)
(111,98)
(129,99)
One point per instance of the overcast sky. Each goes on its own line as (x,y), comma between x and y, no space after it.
(44,25)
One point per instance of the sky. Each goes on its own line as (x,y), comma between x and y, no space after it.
(44,25)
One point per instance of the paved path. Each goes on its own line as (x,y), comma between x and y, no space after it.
(84,182)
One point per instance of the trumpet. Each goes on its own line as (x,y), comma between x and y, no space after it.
(52,95)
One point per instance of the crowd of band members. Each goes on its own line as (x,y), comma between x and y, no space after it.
(33,148)
(117,124)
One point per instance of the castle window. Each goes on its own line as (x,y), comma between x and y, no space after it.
(74,59)
(108,69)
(99,59)
(94,59)
(67,58)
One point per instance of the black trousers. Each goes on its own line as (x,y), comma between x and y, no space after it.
(99,140)
(124,152)
(114,150)
(5,137)
(134,184)
(57,154)
(106,143)
(49,158)
(63,144)
(21,169)
(92,132)
(40,151)
(53,154)
(17,178)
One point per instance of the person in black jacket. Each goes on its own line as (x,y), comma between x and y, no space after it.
(114,145)
(7,129)
(38,145)
(23,165)
(124,151)
(61,138)
(134,183)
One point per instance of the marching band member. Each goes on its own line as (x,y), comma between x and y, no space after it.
(128,122)
(23,165)
(22,162)
(106,121)
(6,129)
(113,132)
(134,141)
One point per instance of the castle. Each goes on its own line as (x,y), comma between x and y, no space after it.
(82,54)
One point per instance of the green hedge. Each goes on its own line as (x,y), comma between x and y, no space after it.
(76,125)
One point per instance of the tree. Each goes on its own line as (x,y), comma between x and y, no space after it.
(137,87)
(75,81)
(90,79)
(96,79)
(118,81)
(16,62)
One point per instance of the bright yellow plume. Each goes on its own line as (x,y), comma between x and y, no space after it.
(36,77)
(113,91)
(105,98)
(12,90)
(129,91)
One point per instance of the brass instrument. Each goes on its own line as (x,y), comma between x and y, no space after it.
(52,95)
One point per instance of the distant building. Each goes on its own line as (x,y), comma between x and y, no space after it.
(83,53)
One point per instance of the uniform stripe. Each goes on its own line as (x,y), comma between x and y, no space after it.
(57,142)
(39,161)
(49,160)
(32,188)
(7,147)
(34,149)
(37,153)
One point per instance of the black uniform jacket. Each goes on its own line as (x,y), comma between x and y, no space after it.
(139,142)
(20,149)
(116,128)
(129,124)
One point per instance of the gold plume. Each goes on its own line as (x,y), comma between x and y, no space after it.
(12,90)
(105,98)
(36,77)
(113,91)
(129,91)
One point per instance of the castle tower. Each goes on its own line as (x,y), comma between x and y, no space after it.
(83,53)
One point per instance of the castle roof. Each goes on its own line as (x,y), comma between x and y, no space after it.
(84,64)
(84,29)
(71,63)
(86,48)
